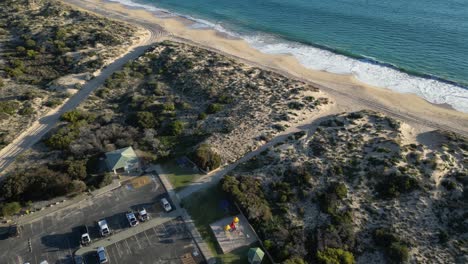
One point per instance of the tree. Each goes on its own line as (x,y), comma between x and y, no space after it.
(335,256)
(10,209)
(206,158)
(76,169)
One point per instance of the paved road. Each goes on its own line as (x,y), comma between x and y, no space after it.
(39,128)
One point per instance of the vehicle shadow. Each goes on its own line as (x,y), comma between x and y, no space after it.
(69,240)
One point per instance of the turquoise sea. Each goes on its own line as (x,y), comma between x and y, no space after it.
(417,46)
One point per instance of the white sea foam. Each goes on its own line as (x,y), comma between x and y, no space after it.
(434,91)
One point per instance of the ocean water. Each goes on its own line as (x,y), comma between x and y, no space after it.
(409,46)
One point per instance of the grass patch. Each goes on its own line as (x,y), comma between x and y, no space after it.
(180,177)
(204,208)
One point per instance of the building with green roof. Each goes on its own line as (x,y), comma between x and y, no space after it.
(124,159)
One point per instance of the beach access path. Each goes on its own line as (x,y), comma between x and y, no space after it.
(40,127)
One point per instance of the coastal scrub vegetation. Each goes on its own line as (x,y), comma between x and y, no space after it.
(320,196)
(48,50)
(154,104)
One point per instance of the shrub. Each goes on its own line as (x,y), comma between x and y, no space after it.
(30,43)
(20,50)
(206,158)
(214,108)
(393,185)
(10,209)
(107,179)
(202,116)
(2,83)
(53,103)
(339,189)
(176,128)
(295,260)
(146,119)
(77,186)
(335,256)
(76,169)
(8,107)
(398,252)
(169,107)
(26,111)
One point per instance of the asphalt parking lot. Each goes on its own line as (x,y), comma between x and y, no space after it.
(167,243)
(55,237)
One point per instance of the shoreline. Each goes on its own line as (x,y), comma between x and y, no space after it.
(348,92)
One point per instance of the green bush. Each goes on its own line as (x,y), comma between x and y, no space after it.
(26,111)
(53,102)
(10,209)
(335,256)
(76,186)
(176,128)
(8,107)
(206,158)
(295,260)
(202,116)
(146,119)
(169,107)
(394,185)
(340,190)
(398,252)
(214,108)
(106,180)
(76,169)
(2,83)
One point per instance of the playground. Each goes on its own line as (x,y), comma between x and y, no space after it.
(232,233)
(207,207)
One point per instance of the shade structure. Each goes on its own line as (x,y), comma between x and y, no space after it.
(255,255)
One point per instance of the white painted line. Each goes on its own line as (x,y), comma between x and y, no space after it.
(128,247)
(138,242)
(118,249)
(149,241)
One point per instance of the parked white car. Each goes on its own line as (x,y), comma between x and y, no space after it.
(103,228)
(143,215)
(166,205)
(131,219)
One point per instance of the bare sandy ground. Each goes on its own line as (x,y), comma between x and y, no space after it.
(348,92)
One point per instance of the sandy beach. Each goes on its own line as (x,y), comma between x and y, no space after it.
(349,93)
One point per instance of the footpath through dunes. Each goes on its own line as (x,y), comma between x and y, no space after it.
(39,128)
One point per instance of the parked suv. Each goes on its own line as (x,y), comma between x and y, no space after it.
(103,228)
(85,238)
(166,205)
(131,219)
(102,255)
(143,215)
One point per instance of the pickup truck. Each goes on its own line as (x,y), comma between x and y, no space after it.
(103,227)
(85,238)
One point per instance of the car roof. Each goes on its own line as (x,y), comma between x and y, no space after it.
(100,249)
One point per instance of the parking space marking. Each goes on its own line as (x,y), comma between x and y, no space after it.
(128,247)
(149,241)
(118,249)
(138,242)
